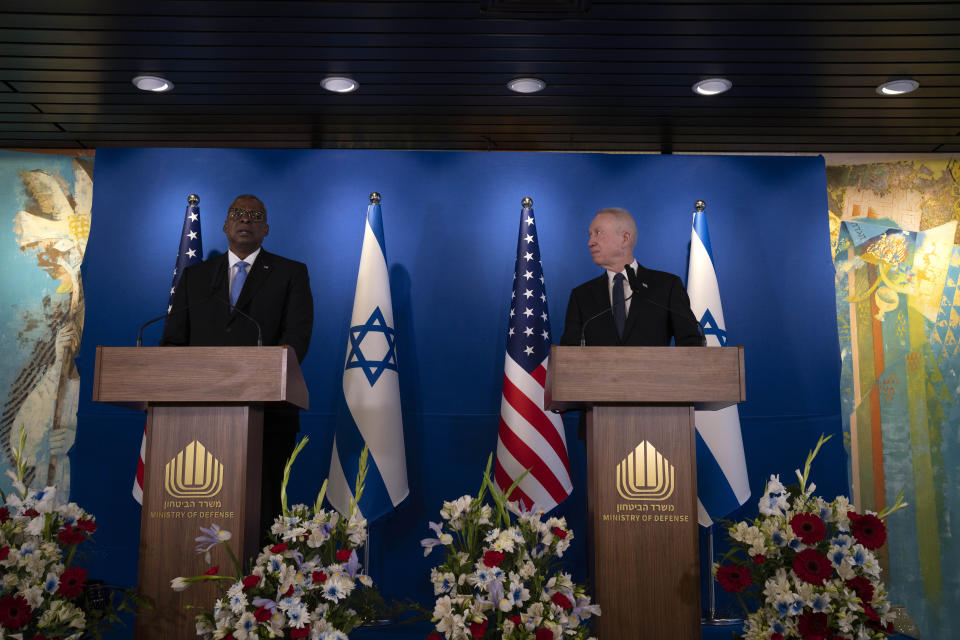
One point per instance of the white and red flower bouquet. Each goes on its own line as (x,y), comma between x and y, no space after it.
(301,585)
(42,593)
(809,566)
(499,577)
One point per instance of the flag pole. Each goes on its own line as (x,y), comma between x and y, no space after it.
(712,620)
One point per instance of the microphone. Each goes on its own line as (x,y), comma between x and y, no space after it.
(197,304)
(583,329)
(635,286)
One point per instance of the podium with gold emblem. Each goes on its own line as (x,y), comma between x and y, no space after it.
(642,476)
(204,428)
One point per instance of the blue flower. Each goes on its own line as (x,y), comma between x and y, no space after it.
(784,607)
(837,557)
(777,538)
(269,605)
(778,627)
(794,544)
(496,592)
(211,537)
(858,556)
(819,604)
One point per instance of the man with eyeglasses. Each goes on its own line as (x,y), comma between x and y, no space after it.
(213,304)
(606,312)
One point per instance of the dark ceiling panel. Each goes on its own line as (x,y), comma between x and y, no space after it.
(433,75)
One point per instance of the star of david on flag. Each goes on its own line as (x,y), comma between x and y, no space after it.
(190,252)
(370,410)
(530,437)
(375,364)
(722,483)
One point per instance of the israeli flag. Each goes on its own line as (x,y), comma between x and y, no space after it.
(722,483)
(371,389)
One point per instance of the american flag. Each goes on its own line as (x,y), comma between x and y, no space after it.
(191,252)
(529,437)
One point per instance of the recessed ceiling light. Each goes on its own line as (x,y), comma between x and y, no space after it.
(526,85)
(152,83)
(339,84)
(712,86)
(898,87)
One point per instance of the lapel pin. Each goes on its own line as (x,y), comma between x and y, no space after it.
(644,285)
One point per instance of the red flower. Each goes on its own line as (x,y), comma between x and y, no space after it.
(71,535)
(4,514)
(560,533)
(249,582)
(493,558)
(212,571)
(515,620)
(278,548)
(561,601)
(14,612)
(813,626)
(759,558)
(869,530)
(288,592)
(434,636)
(808,527)
(319,576)
(229,636)
(343,555)
(302,632)
(812,566)
(776,636)
(4,553)
(39,636)
(31,513)
(862,587)
(478,629)
(262,614)
(87,525)
(733,578)
(544,634)
(870,613)
(72,582)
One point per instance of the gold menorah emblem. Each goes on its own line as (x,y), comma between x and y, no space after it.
(645,475)
(194,473)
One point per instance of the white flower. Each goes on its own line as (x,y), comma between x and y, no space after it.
(337,587)
(178,584)
(238,603)
(246,627)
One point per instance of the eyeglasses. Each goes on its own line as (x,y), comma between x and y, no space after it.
(255,215)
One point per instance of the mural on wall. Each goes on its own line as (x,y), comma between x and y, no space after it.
(894,228)
(45,199)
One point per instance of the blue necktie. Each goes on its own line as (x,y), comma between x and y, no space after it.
(619,306)
(241,276)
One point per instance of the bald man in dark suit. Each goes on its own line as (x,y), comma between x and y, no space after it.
(601,312)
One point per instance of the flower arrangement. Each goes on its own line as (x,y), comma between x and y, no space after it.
(42,595)
(498,578)
(810,566)
(300,586)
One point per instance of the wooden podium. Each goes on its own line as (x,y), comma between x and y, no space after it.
(642,476)
(204,428)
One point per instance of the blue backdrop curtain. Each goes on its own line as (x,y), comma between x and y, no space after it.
(450,224)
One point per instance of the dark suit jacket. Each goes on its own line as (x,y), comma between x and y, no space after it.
(648,325)
(276,293)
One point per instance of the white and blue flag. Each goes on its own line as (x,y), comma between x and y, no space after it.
(371,389)
(722,484)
